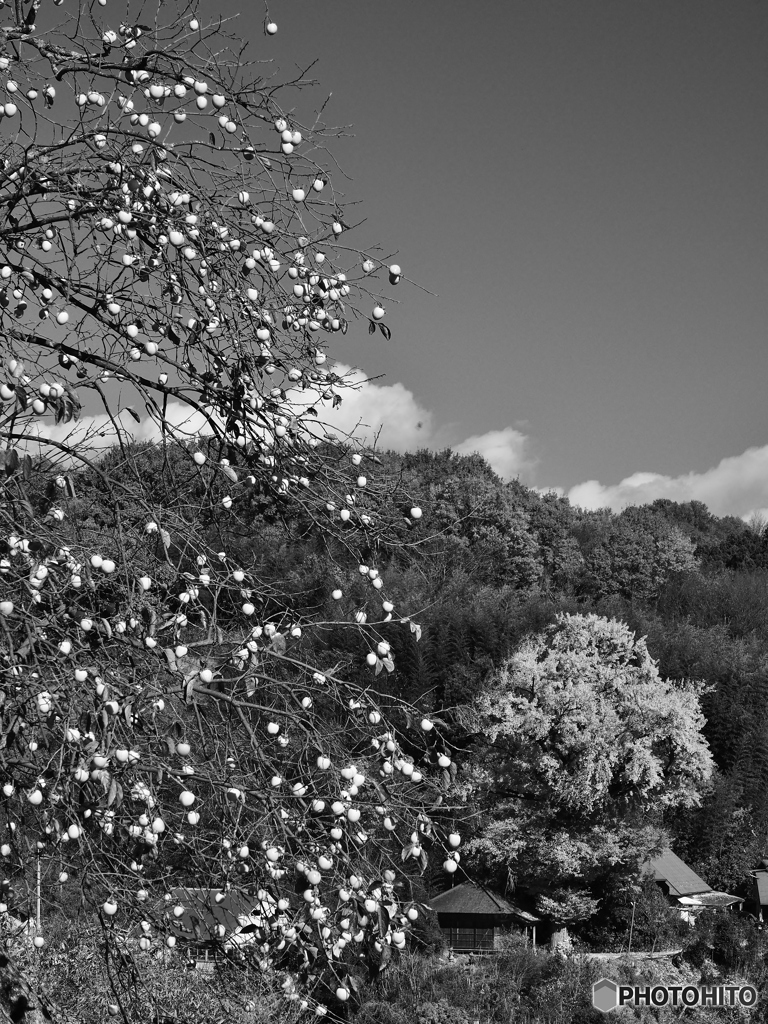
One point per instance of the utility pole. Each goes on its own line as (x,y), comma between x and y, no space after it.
(37,916)
(631,926)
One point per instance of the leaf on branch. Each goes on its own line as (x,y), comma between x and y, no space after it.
(423,861)
(26,468)
(371,327)
(385,331)
(278,643)
(132,412)
(379,666)
(212,138)
(388,664)
(74,401)
(115,794)
(26,505)
(416,630)
(425,825)
(10,461)
(189,687)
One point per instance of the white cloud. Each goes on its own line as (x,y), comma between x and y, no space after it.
(94,433)
(388,413)
(369,410)
(503,450)
(405,425)
(559,491)
(737,485)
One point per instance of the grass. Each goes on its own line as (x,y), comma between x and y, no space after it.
(518,986)
(514,986)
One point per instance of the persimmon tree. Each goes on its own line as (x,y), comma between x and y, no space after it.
(173,252)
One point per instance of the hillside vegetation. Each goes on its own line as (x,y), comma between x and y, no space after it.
(502,581)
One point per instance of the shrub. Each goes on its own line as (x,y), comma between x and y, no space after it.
(440,1012)
(426,934)
(73,971)
(731,941)
(377,1012)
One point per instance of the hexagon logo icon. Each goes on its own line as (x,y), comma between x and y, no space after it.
(605,995)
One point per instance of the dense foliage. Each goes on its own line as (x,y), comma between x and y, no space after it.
(509,560)
(584,747)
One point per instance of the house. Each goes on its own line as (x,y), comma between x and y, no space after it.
(472,918)
(206,921)
(760,875)
(674,876)
(687,890)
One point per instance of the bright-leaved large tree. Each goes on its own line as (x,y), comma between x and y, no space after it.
(583,746)
(173,253)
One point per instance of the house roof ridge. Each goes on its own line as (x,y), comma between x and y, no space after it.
(464,892)
(680,878)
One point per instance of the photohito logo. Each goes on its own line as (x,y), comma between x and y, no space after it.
(607,995)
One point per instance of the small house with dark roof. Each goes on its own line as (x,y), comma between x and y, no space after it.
(675,877)
(208,921)
(760,875)
(684,887)
(472,918)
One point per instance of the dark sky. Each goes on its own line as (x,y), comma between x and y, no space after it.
(584,186)
(582,183)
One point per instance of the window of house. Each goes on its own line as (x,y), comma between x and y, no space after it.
(469,938)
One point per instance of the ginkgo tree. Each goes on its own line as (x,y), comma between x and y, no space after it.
(587,746)
(173,252)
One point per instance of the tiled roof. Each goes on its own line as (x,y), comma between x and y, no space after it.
(203,912)
(469,898)
(682,880)
(761,878)
(710,899)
